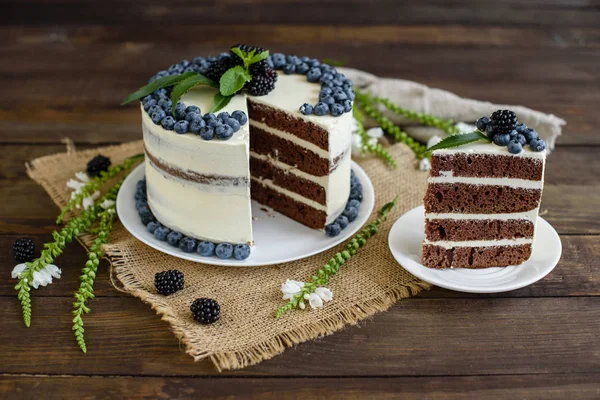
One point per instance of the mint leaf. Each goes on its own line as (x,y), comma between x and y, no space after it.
(458,140)
(239,52)
(259,57)
(184,86)
(233,80)
(220,101)
(155,85)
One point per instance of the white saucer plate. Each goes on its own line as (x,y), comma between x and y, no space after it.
(405,244)
(277,238)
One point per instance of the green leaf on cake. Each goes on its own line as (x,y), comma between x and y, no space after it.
(458,140)
(259,57)
(185,85)
(220,101)
(239,52)
(233,80)
(155,85)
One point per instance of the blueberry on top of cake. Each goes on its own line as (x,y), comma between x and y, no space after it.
(482,200)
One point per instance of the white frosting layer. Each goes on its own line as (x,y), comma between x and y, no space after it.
(528,215)
(292,138)
(217,215)
(491,148)
(510,182)
(480,243)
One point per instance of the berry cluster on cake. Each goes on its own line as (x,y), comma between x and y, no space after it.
(482,200)
(282,139)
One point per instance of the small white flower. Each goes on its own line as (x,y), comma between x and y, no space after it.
(375,133)
(75,185)
(357,147)
(87,202)
(302,305)
(106,204)
(433,141)
(16,272)
(324,293)
(315,301)
(306,296)
(291,288)
(53,270)
(424,165)
(44,277)
(82,176)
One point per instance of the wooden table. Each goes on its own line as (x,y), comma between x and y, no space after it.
(65,67)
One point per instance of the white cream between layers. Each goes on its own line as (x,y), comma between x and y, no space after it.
(490,148)
(528,215)
(480,243)
(217,215)
(509,182)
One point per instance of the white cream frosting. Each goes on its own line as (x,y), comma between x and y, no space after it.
(491,148)
(480,243)
(528,215)
(510,182)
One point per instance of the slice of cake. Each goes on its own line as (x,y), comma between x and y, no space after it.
(482,201)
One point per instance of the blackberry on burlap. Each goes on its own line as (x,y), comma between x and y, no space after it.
(504,121)
(206,311)
(168,282)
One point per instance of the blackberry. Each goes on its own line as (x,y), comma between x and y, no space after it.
(263,80)
(97,164)
(504,121)
(24,250)
(206,311)
(219,67)
(247,48)
(168,282)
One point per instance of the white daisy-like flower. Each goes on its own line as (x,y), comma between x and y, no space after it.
(375,133)
(87,202)
(82,176)
(106,204)
(315,301)
(75,185)
(16,272)
(54,270)
(433,141)
(291,288)
(324,293)
(44,277)
(424,165)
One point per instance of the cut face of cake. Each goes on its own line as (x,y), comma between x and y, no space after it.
(481,206)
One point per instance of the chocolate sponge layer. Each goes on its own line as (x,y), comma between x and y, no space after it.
(487,166)
(474,257)
(475,229)
(479,199)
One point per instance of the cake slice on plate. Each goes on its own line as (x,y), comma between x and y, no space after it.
(483,198)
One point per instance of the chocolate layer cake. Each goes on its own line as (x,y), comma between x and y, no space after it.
(481,206)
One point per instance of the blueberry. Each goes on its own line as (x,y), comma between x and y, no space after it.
(337,110)
(490,130)
(240,116)
(321,109)
(146,219)
(333,229)
(198,60)
(161,233)
(502,139)
(342,221)
(158,115)
(196,125)
(482,123)
(306,109)
(189,117)
(353,180)
(325,77)
(313,62)
(278,60)
(144,211)
(340,76)
(521,128)
(328,100)
(160,93)
(140,204)
(351,213)
(537,145)
(313,75)
(152,226)
(241,252)
(355,195)
(207,133)
(206,249)
(208,116)
(188,245)
(356,186)
(223,132)
(293,59)
(191,109)
(521,139)
(181,126)
(339,97)
(337,82)
(513,134)
(327,84)
(140,195)
(233,123)
(153,109)
(289,69)
(347,104)
(213,123)
(180,111)
(145,99)
(176,68)
(149,104)
(302,68)
(184,63)
(168,123)
(529,134)
(173,238)
(350,93)
(165,104)
(224,251)
(514,146)
(325,92)
(223,116)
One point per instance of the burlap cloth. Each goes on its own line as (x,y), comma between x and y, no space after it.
(247,332)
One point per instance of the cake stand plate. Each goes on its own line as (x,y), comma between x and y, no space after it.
(405,244)
(277,238)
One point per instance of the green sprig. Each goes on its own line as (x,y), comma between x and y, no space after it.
(376,149)
(96,183)
(88,274)
(322,276)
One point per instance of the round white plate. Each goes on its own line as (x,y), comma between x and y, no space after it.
(277,238)
(405,243)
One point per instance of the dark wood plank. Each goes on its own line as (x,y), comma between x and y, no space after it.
(417,337)
(531,387)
